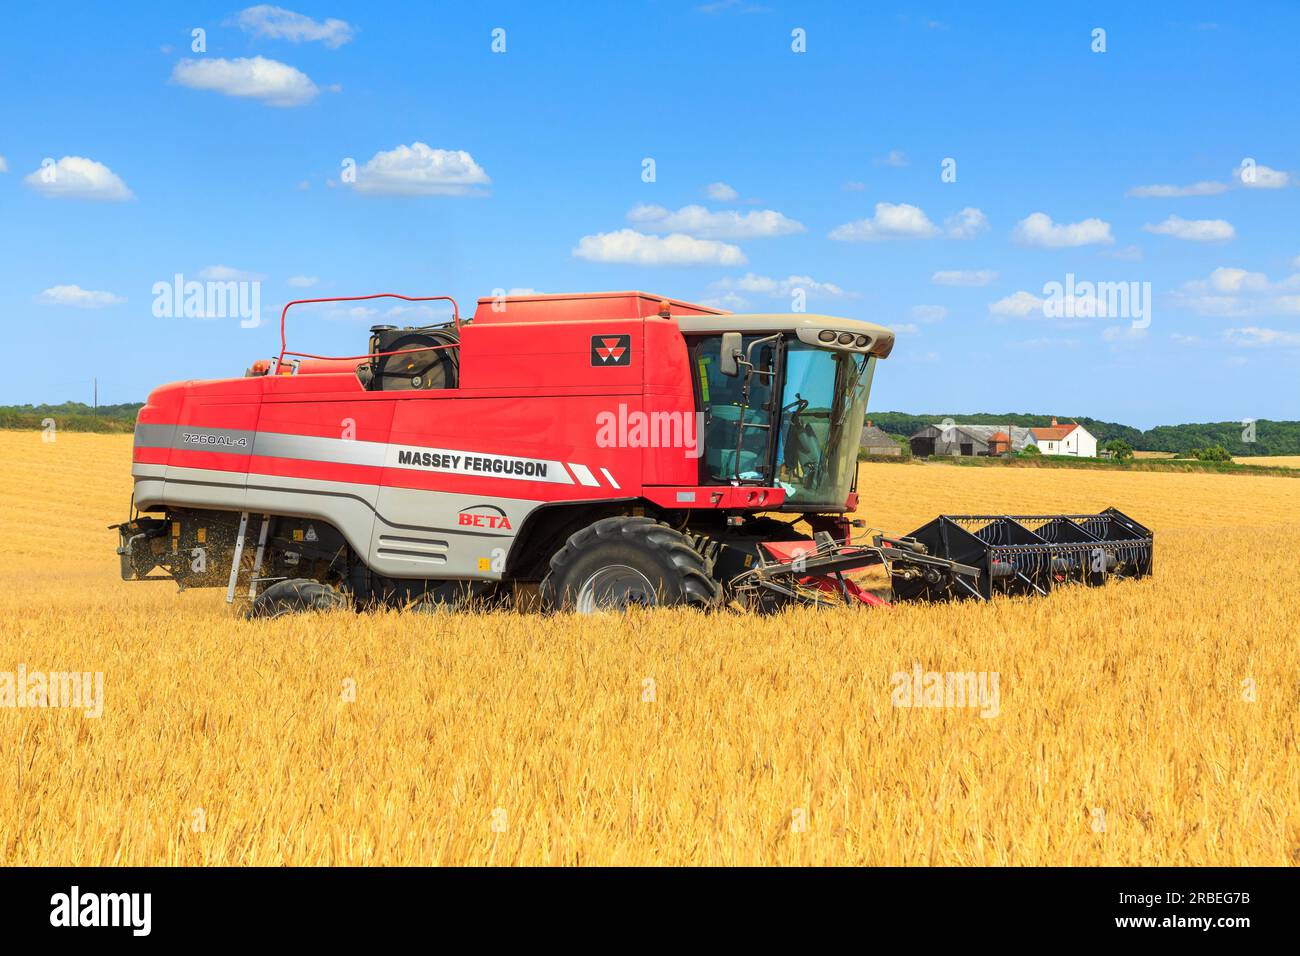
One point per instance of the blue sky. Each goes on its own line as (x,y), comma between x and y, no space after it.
(479,170)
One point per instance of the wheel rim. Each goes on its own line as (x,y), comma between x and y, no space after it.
(616,586)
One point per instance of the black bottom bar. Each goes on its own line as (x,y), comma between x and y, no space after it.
(976,906)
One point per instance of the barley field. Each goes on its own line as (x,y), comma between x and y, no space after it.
(1271,461)
(1153,722)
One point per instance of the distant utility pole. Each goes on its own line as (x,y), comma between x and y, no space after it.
(96,381)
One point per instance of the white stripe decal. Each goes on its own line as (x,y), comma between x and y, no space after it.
(584,475)
(610,478)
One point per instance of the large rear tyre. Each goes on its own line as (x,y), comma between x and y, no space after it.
(295,596)
(623,562)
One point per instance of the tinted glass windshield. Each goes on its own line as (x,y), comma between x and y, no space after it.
(822,407)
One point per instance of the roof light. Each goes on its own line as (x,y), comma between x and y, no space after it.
(846,338)
(826,335)
(664,311)
(862,341)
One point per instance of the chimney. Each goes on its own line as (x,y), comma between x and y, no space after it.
(1053,420)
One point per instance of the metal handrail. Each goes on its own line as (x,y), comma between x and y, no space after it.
(284,348)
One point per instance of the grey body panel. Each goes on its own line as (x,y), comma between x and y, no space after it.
(400,532)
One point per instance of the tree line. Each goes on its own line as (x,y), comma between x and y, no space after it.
(1262,437)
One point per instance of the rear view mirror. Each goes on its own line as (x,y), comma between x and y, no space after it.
(730,352)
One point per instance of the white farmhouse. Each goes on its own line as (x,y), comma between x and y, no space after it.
(1072,439)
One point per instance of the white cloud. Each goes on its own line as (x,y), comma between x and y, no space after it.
(1037,229)
(272,82)
(775,288)
(903,221)
(706,224)
(1194,230)
(728,300)
(75,295)
(1249,175)
(302,282)
(967,224)
(277,23)
(891,221)
(1255,337)
(721,192)
(1179,339)
(1123,336)
(1020,305)
(1046,344)
(854,187)
(975,277)
(906,328)
(1233,292)
(227,274)
(1260,176)
(895,158)
(75,177)
(929,313)
(417,170)
(1173,192)
(4,166)
(635,248)
(1233,281)
(1127,254)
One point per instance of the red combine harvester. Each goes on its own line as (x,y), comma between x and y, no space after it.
(613,448)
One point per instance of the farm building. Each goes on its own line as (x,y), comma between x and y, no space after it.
(877,442)
(1071,439)
(969,440)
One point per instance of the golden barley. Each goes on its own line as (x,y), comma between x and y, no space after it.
(1143,723)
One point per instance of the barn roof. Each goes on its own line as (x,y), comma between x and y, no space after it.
(1054,432)
(872,435)
(1020,437)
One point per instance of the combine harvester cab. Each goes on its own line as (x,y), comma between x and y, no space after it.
(592,451)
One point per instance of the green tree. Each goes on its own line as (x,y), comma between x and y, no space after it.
(1031,450)
(1119,448)
(1212,453)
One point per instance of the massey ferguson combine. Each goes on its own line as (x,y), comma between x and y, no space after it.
(610,449)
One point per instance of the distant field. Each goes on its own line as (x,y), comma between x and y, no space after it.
(1143,723)
(1154,454)
(1271,461)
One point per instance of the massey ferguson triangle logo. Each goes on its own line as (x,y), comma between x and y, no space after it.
(611,350)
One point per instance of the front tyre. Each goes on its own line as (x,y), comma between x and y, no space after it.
(623,562)
(295,596)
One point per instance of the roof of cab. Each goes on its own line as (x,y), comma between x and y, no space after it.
(806,325)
